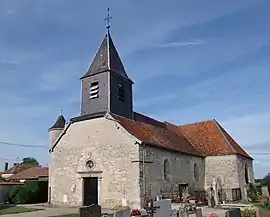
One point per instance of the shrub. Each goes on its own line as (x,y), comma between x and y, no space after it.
(248,213)
(252,193)
(265,205)
(30,192)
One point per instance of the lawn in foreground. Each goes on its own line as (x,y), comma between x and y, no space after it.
(4,210)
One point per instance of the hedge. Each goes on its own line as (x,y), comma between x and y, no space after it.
(30,192)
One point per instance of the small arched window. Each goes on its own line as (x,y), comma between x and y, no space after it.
(166,168)
(196,172)
(246,174)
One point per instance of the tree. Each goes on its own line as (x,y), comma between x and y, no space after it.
(30,161)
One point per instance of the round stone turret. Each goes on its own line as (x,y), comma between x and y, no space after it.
(56,129)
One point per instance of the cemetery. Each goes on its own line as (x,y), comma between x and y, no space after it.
(212,205)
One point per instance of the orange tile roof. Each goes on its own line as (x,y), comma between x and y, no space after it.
(17,168)
(31,173)
(211,139)
(206,138)
(156,135)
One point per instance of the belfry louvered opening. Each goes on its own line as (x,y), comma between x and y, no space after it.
(121,93)
(94,90)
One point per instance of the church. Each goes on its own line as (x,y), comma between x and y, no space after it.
(111,155)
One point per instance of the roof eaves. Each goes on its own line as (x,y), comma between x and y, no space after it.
(155,145)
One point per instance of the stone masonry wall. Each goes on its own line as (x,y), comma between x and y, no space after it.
(241,164)
(112,149)
(181,170)
(53,135)
(230,170)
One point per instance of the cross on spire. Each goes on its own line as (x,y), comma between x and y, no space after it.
(107,19)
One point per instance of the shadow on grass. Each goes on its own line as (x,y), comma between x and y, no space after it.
(6,206)
(13,209)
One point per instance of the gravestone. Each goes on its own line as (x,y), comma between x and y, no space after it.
(265,192)
(90,211)
(122,213)
(233,213)
(199,212)
(164,208)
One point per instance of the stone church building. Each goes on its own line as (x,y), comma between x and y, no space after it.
(111,155)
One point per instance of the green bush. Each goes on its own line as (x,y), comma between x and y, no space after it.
(30,192)
(252,193)
(265,205)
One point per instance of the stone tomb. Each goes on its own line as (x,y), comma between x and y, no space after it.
(164,208)
(122,213)
(90,211)
(265,192)
(233,213)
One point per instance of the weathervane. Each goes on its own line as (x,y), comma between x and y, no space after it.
(107,19)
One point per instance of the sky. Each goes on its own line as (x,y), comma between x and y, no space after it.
(190,60)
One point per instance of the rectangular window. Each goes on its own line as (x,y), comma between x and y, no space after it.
(236,194)
(121,93)
(94,90)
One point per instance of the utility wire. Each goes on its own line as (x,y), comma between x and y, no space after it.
(22,145)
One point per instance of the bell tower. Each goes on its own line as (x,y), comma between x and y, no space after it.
(106,86)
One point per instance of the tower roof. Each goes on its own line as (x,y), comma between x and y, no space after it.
(59,123)
(107,59)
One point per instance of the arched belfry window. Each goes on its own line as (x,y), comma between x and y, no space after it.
(246,175)
(196,172)
(166,169)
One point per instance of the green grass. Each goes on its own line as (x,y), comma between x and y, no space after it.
(4,209)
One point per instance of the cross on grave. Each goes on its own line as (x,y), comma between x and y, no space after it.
(152,209)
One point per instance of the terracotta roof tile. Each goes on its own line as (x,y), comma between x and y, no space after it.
(31,173)
(156,134)
(211,139)
(17,168)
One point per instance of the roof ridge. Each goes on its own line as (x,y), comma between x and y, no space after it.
(186,137)
(199,122)
(228,136)
(224,137)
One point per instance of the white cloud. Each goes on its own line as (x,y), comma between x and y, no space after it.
(181,44)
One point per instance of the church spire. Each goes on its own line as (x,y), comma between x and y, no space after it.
(107,57)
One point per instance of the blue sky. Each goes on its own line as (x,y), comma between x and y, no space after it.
(190,60)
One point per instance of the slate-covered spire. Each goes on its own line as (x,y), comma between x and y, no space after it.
(107,59)
(59,123)
(106,86)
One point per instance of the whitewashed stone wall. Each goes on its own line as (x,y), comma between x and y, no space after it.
(181,170)
(229,169)
(112,148)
